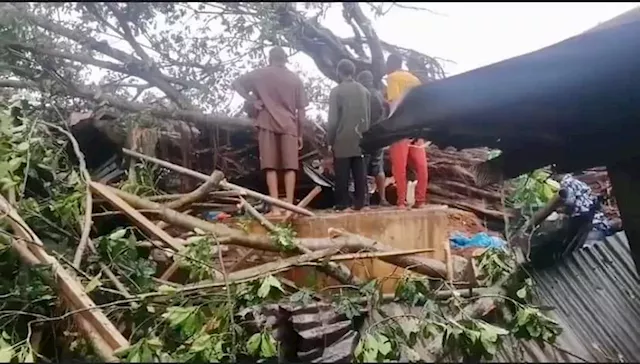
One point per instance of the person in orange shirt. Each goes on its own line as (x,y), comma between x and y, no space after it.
(399,82)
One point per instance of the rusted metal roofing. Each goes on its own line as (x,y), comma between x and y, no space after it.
(594,293)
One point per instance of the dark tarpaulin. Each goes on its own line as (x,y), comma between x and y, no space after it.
(565,104)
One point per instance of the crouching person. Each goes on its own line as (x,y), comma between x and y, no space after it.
(349,104)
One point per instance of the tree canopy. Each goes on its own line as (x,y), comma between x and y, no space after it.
(177,60)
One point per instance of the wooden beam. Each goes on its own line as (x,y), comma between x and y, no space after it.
(140,220)
(304,202)
(71,290)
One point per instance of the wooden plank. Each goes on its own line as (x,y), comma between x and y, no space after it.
(304,202)
(100,345)
(71,289)
(140,220)
(449,260)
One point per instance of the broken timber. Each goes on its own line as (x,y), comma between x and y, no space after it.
(228,235)
(104,336)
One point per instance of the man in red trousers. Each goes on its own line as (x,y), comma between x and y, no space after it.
(405,151)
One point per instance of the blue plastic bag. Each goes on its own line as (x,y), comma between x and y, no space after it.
(480,240)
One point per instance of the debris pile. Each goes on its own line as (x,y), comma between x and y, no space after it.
(134,273)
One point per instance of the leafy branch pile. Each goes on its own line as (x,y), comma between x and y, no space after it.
(443,329)
(200,318)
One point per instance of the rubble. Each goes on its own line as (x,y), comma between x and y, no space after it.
(162,254)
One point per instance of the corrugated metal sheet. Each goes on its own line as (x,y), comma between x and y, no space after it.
(595,294)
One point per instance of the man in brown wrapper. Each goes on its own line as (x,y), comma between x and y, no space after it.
(280,101)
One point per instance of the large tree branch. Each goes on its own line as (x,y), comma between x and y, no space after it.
(156,77)
(139,68)
(95,94)
(128,35)
(377,56)
(86,59)
(327,49)
(91,8)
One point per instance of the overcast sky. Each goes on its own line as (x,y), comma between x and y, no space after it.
(477,34)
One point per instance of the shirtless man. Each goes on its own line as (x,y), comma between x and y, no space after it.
(278,96)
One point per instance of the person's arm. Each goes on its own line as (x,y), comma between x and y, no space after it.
(393,87)
(243,86)
(368,113)
(332,123)
(377,107)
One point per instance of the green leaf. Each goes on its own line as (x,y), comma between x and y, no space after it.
(154,342)
(489,346)
(359,348)
(268,346)
(523,316)
(303,297)
(186,319)
(492,332)
(23,147)
(370,353)
(200,343)
(253,344)
(118,234)
(6,352)
(384,345)
(522,293)
(166,289)
(533,329)
(15,163)
(93,283)
(528,282)
(268,283)
(472,335)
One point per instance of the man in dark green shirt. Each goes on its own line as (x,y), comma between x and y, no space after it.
(349,113)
